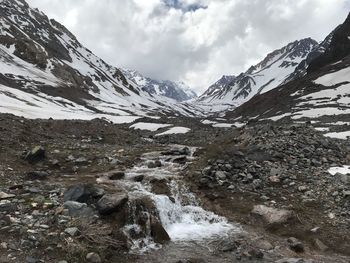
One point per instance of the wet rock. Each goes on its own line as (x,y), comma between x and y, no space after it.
(138,178)
(93,257)
(271,215)
(116,175)
(160,186)
(256,253)
(111,203)
(155,164)
(37,154)
(158,232)
(180,160)
(295,245)
(83,193)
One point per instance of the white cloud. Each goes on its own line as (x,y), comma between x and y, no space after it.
(198,47)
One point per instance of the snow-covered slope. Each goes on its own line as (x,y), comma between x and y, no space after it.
(178,91)
(258,79)
(323,94)
(46,72)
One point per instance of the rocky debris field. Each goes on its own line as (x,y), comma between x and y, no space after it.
(62,198)
(277,177)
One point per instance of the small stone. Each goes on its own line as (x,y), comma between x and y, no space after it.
(116,175)
(296,245)
(3,245)
(320,245)
(346,193)
(93,257)
(72,231)
(220,175)
(35,155)
(4,195)
(274,179)
(302,188)
(272,215)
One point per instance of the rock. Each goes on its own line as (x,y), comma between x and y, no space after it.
(111,203)
(37,154)
(38,175)
(320,245)
(295,245)
(72,231)
(274,179)
(155,164)
(116,175)
(302,188)
(81,161)
(220,175)
(158,232)
(160,186)
(228,246)
(263,244)
(4,195)
(93,257)
(346,193)
(180,160)
(138,178)
(77,209)
(292,260)
(272,215)
(83,193)
(256,253)
(32,260)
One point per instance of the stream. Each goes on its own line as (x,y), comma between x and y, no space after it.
(193,231)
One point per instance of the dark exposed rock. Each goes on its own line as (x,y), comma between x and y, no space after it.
(83,193)
(111,203)
(40,175)
(296,245)
(37,154)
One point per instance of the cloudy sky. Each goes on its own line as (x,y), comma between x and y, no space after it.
(196,41)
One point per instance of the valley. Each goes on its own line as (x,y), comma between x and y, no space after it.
(103,164)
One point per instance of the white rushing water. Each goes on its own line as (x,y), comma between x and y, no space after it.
(180,214)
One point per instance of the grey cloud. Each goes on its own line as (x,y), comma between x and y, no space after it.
(181,40)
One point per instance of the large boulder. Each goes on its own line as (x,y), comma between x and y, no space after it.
(111,203)
(272,216)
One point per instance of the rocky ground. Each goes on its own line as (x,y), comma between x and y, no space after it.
(271,178)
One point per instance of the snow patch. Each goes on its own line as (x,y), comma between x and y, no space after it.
(149,126)
(175,130)
(342,170)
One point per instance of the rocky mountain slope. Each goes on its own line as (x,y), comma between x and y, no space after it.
(322,94)
(273,71)
(178,91)
(45,72)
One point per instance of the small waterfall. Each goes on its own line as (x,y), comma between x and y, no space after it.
(178,213)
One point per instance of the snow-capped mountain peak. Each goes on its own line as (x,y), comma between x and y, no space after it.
(176,90)
(263,77)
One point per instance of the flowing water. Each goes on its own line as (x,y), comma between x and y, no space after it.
(179,212)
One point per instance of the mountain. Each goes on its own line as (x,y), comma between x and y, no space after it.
(178,91)
(46,72)
(263,77)
(323,94)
